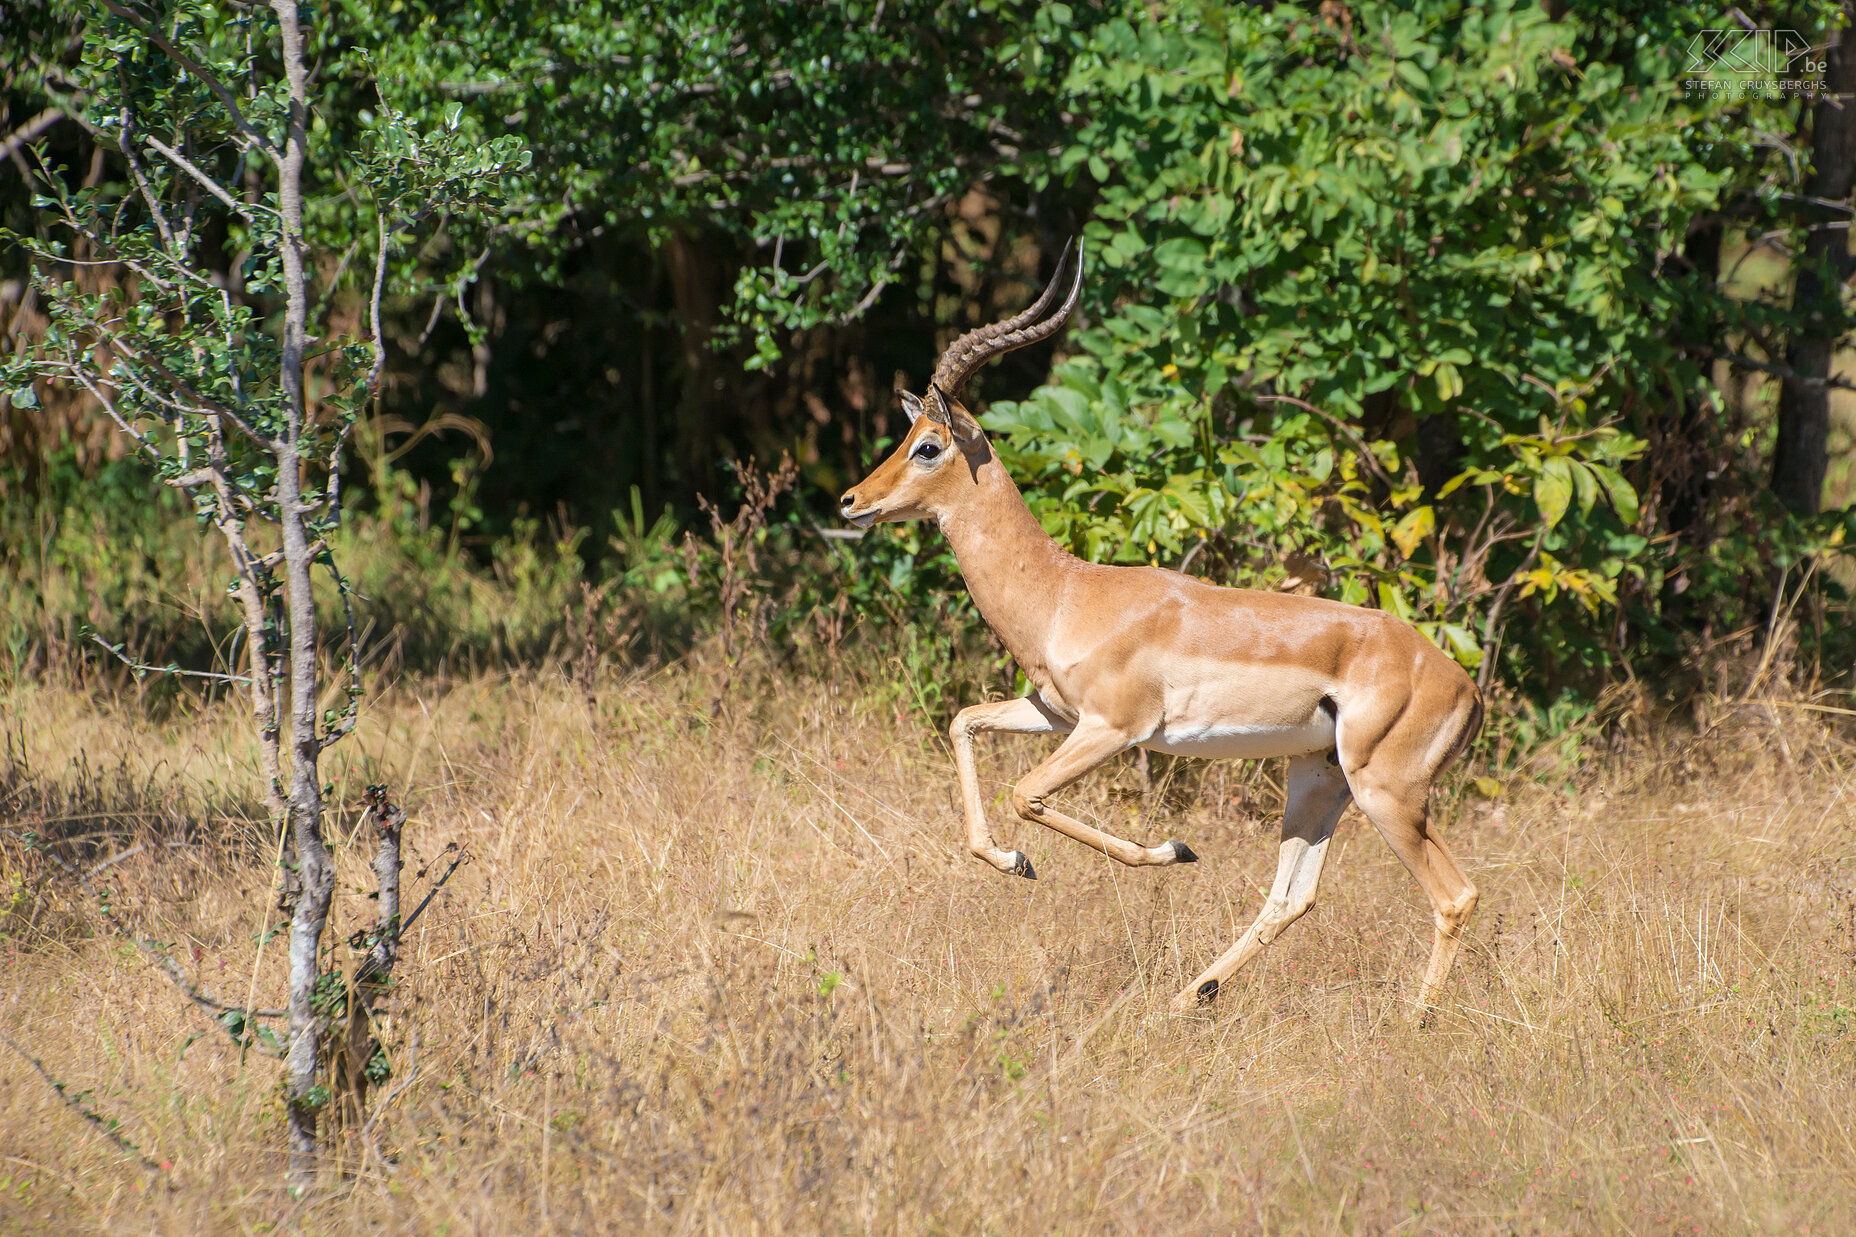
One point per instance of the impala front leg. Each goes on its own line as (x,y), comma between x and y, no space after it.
(1027,715)
(1089,746)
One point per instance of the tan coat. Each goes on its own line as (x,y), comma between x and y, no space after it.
(1365,708)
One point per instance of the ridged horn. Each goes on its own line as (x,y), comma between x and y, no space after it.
(976,347)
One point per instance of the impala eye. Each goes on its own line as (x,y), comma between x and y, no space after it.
(928,450)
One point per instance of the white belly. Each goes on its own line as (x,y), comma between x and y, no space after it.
(1230,741)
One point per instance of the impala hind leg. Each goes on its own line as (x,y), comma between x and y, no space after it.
(1317,796)
(1400,812)
(1089,746)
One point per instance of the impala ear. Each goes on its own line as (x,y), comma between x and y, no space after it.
(953,415)
(911,404)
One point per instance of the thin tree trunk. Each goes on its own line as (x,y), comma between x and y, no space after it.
(315,872)
(1800,457)
(647,395)
(373,976)
(694,279)
(1682,446)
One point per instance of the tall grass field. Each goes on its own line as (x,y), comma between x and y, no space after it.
(716,961)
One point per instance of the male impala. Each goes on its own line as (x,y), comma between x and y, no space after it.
(1366,709)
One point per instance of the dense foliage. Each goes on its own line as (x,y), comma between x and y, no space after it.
(1471,312)
(1405,290)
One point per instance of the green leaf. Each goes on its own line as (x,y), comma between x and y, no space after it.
(1618,490)
(1393,601)
(1553,489)
(1182,253)
(1461,643)
(1586,486)
(1413,529)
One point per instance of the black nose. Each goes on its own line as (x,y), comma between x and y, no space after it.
(849,499)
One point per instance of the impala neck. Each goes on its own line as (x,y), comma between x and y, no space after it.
(1011,566)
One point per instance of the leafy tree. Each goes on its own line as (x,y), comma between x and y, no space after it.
(742,174)
(1799,458)
(1391,288)
(1427,301)
(214,346)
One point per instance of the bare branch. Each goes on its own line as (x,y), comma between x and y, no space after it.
(1782,371)
(431,893)
(275,558)
(206,182)
(77,1105)
(29,131)
(869,299)
(207,406)
(109,406)
(431,323)
(351,712)
(1486,676)
(412,1076)
(144,667)
(198,995)
(373,315)
(126,143)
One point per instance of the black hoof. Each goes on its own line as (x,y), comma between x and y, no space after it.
(1021,866)
(1183,853)
(1207,991)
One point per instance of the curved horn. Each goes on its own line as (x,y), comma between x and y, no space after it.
(976,347)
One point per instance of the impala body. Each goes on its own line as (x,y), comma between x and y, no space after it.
(1365,708)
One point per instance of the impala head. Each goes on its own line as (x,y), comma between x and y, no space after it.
(944,447)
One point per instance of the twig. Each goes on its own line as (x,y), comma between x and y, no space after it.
(130,853)
(876,290)
(29,131)
(144,668)
(1366,454)
(194,992)
(206,403)
(1487,674)
(33,843)
(368,971)
(431,323)
(432,892)
(1782,371)
(206,182)
(108,1128)
(198,995)
(125,142)
(412,1076)
(1190,555)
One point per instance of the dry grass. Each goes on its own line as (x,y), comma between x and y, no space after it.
(735,974)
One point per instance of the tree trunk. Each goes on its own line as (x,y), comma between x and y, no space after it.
(1683,446)
(1800,458)
(315,872)
(357,1045)
(694,278)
